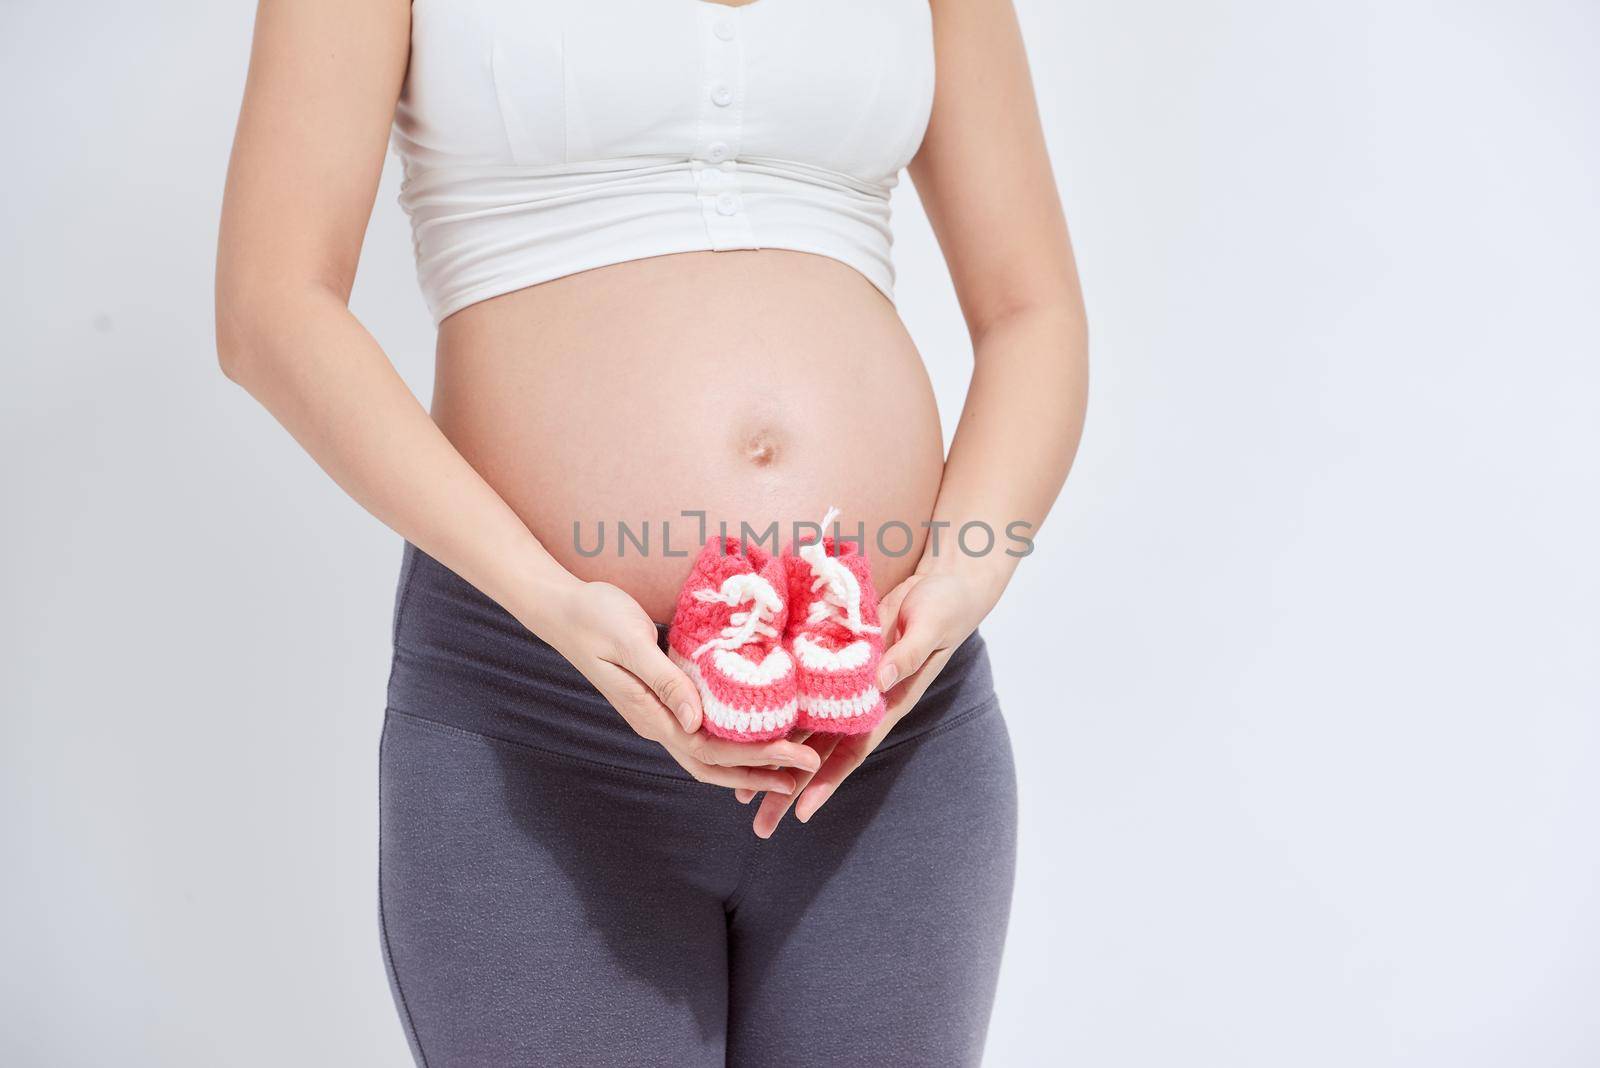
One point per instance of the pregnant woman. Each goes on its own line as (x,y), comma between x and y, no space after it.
(655,237)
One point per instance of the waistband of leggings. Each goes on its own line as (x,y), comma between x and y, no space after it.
(462,661)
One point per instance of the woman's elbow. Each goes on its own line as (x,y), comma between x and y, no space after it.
(239,300)
(248,317)
(232,341)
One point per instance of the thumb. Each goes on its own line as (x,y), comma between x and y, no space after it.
(917,641)
(889,606)
(646,662)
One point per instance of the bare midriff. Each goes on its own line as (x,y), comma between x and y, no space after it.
(744,388)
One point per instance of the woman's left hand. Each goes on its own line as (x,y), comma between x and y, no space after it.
(933,613)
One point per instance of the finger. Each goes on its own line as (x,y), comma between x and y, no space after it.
(753,780)
(918,640)
(744,797)
(646,662)
(850,755)
(774,805)
(782,752)
(635,702)
(911,689)
(889,607)
(846,758)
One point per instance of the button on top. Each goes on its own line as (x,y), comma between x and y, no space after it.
(721,96)
(717,151)
(724,30)
(727,204)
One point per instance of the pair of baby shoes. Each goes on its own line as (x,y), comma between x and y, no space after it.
(779,641)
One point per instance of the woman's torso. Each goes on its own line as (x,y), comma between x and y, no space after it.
(698,368)
(757,387)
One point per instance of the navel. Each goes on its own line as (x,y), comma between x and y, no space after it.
(761,448)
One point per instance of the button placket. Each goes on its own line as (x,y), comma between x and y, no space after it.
(717,178)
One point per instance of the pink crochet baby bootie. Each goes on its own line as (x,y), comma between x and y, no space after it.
(833,635)
(727,635)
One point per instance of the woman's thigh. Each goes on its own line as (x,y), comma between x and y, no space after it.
(872,935)
(540,910)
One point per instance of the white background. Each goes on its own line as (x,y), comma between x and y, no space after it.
(1303,679)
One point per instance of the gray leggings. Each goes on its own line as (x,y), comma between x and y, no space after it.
(554,890)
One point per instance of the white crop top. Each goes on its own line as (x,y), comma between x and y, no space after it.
(544,137)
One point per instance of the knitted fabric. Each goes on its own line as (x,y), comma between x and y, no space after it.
(833,636)
(727,636)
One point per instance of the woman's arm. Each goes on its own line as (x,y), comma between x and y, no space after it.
(324,77)
(313,131)
(985,180)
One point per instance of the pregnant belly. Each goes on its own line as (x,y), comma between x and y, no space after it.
(627,413)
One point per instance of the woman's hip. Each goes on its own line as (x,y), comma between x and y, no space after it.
(462,661)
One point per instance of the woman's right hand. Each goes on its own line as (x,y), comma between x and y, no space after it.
(606,635)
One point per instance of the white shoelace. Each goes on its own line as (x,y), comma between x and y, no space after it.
(746,626)
(841,590)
